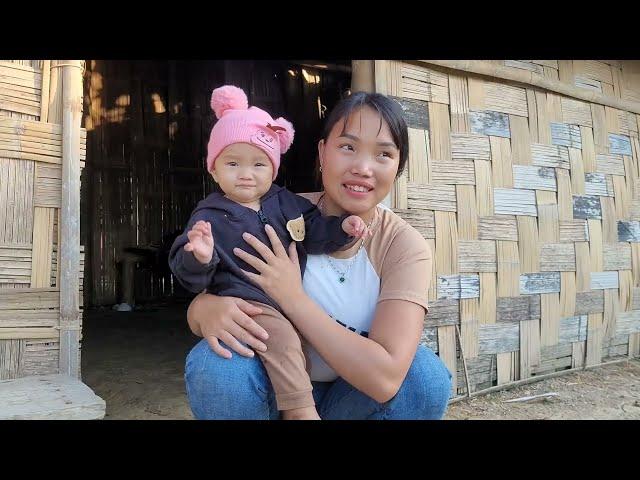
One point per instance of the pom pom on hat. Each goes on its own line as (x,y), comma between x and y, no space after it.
(285,133)
(226,98)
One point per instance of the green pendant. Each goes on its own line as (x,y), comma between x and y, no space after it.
(341,279)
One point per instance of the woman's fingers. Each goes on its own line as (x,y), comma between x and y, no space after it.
(243,319)
(276,244)
(253,277)
(235,345)
(244,336)
(255,262)
(293,252)
(217,348)
(260,247)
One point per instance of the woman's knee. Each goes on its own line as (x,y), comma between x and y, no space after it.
(219,388)
(425,391)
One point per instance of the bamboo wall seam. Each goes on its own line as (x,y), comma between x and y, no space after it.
(30,202)
(531,203)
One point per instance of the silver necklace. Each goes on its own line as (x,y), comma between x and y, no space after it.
(342,276)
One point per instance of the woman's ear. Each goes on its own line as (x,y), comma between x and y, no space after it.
(214,175)
(321,146)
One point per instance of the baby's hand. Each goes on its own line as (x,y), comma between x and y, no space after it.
(200,242)
(354,226)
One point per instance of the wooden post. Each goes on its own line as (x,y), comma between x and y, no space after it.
(362,78)
(69,248)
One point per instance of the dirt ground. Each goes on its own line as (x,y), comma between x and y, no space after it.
(135,362)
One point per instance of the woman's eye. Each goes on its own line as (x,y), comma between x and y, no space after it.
(347,147)
(260,164)
(232,164)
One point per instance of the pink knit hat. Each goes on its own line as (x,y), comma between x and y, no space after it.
(239,124)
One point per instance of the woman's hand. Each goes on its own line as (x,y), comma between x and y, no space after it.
(227,319)
(280,275)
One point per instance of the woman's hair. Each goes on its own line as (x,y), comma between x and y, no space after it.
(389,110)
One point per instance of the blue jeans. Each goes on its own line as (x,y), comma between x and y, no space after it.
(239,389)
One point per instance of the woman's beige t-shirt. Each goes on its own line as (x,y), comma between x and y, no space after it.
(394,264)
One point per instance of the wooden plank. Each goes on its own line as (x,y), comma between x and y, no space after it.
(49,397)
(453,173)
(588,149)
(446,258)
(589,302)
(573,231)
(576,112)
(469,325)
(577,171)
(628,231)
(544,131)
(610,164)
(42,247)
(595,245)
(583,82)
(523,65)
(421,220)
(604,280)
(533,116)
(467,216)
(498,338)
(619,144)
(611,309)
(518,309)
(556,257)
(528,244)
(447,352)
(433,282)
(549,318)
(28,333)
(514,202)
(508,269)
(539,283)
(439,132)
(565,134)
(431,197)
(534,178)
(612,119)
(550,156)
(418,161)
(477,256)
(29,298)
(520,140)
(548,223)
(490,123)
(628,323)
(416,112)
(487,298)
(484,188)
(476,93)
(423,83)
(443,312)
(596,184)
(617,256)
(504,98)
(594,70)
(635,263)
(573,329)
(529,347)
(458,286)
(500,227)
(388,76)
(622,197)
(609,223)
(459,103)
(69,251)
(470,146)
(29,318)
(501,162)
(586,207)
(567,293)
(505,368)
(11,358)
(594,339)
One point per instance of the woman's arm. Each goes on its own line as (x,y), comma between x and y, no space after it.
(376,365)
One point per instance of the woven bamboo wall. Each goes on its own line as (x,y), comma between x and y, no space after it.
(531,203)
(30,199)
